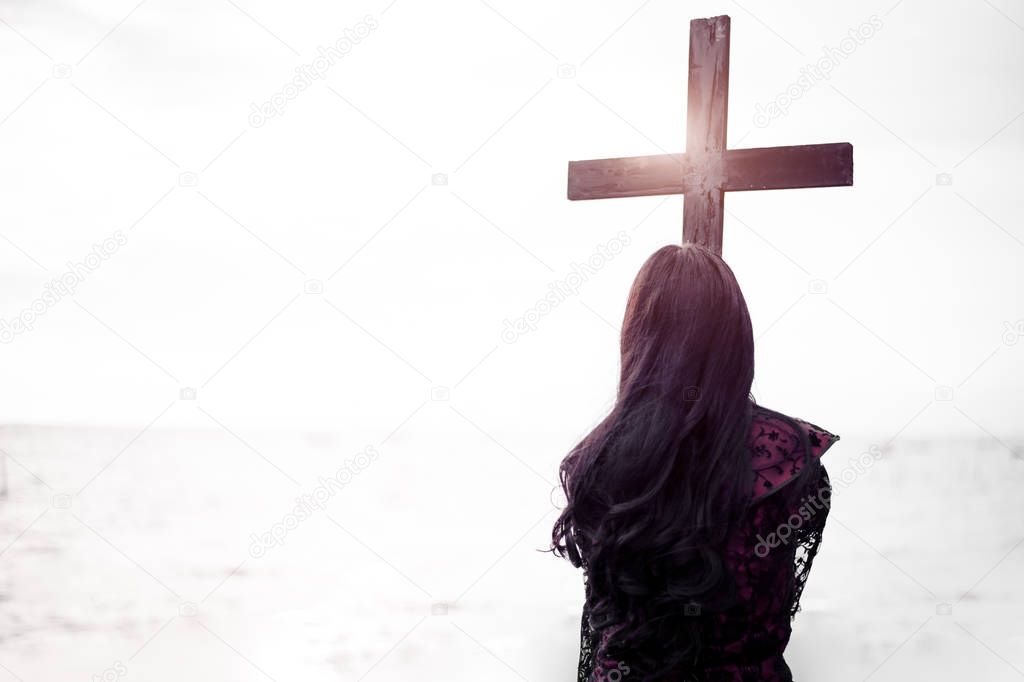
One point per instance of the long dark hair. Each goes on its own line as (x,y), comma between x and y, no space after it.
(654,489)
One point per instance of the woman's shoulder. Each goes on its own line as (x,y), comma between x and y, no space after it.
(776,445)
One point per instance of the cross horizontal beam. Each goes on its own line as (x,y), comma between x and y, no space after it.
(732,170)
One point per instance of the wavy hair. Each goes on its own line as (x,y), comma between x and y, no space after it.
(654,489)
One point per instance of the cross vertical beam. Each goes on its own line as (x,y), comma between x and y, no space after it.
(707,110)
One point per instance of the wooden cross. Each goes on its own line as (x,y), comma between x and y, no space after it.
(707,170)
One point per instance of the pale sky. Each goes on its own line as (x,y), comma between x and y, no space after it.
(135,125)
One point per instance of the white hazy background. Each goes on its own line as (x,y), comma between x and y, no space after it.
(287,291)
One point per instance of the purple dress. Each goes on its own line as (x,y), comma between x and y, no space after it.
(768,555)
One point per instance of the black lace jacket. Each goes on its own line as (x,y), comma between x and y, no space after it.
(769,556)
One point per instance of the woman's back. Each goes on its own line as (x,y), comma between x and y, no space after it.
(767,556)
(685,505)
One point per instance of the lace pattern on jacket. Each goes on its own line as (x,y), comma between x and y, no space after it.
(769,556)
